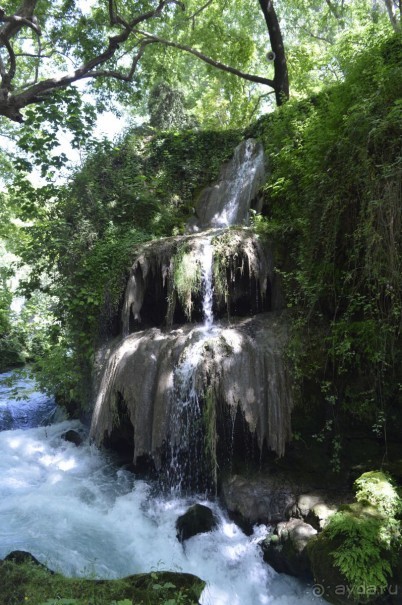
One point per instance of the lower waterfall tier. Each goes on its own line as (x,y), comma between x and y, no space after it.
(158,387)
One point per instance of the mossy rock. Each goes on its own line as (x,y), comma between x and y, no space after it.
(28,582)
(330,582)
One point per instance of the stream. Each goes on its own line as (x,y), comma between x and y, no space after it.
(79,513)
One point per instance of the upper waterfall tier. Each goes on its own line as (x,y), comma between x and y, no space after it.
(167,279)
(228,201)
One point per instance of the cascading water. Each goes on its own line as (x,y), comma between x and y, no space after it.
(228,201)
(206,261)
(78,513)
(189,462)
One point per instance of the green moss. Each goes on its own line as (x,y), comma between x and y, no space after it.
(187,277)
(377,489)
(30,584)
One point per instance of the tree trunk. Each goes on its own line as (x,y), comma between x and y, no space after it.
(281,80)
(392,15)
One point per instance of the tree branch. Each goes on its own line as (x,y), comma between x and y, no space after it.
(392,16)
(315,37)
(281,78)
(206,59)
(24,16)
(38,91)
(8,76)
(333,10)
(198,12)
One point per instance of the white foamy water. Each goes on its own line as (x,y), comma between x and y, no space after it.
(242,186)
(78,513)
(72,509)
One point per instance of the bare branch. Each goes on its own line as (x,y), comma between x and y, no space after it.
(333,9)
(259,99)
(105,73)
(199,11)
(24,16)
(315,37)
(208,60)
(8,76)
(20,21)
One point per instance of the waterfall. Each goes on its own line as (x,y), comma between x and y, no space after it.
(206,262)
(160,380)
(187,434)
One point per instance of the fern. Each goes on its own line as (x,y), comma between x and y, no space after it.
(367,533)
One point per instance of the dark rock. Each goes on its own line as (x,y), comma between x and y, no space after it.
(285,550)
(395,585)
(262,499)
(197,520)
(73,437)
(332,583)
(21,557)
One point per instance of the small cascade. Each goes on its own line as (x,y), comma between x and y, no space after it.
(187,432)
(228,201)
(206,262)
(187,453)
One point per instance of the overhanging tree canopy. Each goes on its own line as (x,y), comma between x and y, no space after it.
(109,41)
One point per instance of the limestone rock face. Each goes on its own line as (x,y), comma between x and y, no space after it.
(259,500)
(172,395)
(165,281)
(241,365)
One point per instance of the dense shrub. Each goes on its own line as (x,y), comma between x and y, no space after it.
(334,200)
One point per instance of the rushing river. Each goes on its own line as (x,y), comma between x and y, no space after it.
(78,513)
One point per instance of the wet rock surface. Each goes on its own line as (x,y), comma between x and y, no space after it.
(197,519)
(72,437)
(243,364)
(263,499)
(285,549)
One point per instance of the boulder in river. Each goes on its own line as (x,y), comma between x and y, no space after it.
(72,437)
(197,519)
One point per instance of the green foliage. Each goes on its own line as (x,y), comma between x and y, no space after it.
(377,489)
(333,203)
(167,111)
(367,535)
(187,277)
(79,247)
